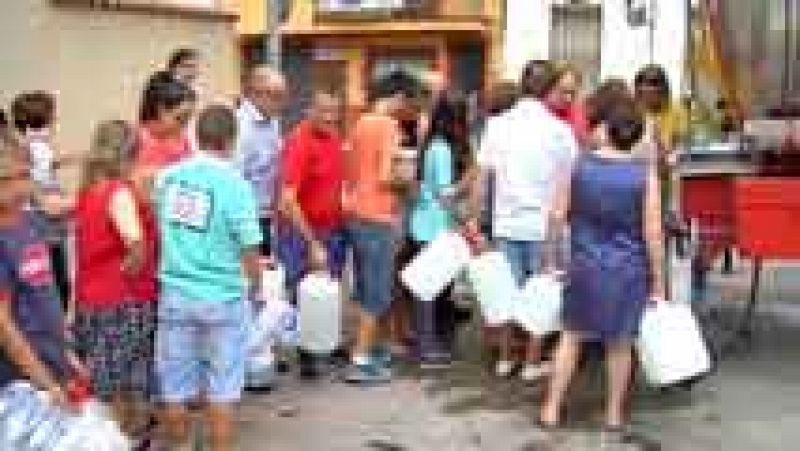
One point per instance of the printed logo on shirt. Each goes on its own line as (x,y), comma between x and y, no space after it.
(34,265)
(188,206)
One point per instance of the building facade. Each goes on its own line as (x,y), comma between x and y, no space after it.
(343,44)
(96,55)
(605,38)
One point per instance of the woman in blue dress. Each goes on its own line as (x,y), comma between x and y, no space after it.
(613,208)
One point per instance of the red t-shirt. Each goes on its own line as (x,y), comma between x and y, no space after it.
(158,153)
(576,116)
(100,283)
(313,164)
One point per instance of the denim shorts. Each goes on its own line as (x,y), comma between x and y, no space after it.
(200,350)
(524,257)
(374,248)
(292,251)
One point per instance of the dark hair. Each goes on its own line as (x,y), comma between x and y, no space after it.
(654,75)
(180,56)
(624,124)
(502,97)
(538,78)
(449,121)
(3,120)
(163,94)
(603,100)
(33,110)
(397,82)
(216,127)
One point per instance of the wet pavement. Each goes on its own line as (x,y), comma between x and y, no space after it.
(751,403)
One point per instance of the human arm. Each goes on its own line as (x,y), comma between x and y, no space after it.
(125,218)
(294,166)
(242,217)
(16,347)
(654,234)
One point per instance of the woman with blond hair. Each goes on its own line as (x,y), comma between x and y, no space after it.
(115,276)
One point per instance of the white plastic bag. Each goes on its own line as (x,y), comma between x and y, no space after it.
(28,422)
(680,279)
(436,266)
(538,308)
(93,430)
(320,313)
(491,278)
(671,348)
(274,323)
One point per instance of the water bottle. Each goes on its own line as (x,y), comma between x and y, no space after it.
(319,301)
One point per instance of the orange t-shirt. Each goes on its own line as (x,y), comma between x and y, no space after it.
(373,143)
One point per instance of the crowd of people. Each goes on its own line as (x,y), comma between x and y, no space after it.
(141,282)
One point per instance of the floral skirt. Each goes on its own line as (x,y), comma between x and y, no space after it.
(117,346)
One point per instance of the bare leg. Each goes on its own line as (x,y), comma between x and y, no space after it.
(506,336)
(619,358)
(220,418)
(533,352)
(177,427)
(565,361)
(367,334)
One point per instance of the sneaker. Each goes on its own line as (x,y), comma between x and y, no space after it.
(382,356)
(504,368)
(435,360)
(533,372)
(371,373)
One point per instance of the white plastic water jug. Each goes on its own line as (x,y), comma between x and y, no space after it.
(273,283)
(320,305)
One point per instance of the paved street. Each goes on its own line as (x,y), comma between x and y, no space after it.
(753,403)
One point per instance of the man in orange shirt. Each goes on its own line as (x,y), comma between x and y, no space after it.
(372,202)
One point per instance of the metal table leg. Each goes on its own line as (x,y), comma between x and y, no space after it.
(746,326)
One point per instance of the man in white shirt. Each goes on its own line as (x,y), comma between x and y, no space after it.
(528,149)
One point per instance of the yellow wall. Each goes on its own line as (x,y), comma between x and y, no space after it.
(96,62)
(253,16)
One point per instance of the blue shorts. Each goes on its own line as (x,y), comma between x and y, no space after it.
(292,252)
(374,248)
(524,257)
(200,350)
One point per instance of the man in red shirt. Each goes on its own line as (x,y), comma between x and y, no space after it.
(311,233)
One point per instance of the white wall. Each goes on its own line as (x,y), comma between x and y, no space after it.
(623,49)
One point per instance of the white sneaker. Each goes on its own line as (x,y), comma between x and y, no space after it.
(532,372)
(504,368)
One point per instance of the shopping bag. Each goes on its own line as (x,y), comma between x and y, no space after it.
(538,308)
(671,347)
(29,422)
(494,286)
(320,313)
(433,269)
(274,323)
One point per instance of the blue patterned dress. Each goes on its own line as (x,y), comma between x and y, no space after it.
(609,268)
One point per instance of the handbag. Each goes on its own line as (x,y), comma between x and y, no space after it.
(433,269)
(670,346)
(494,287)
(538,308)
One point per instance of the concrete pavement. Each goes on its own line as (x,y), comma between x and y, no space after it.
(753,403)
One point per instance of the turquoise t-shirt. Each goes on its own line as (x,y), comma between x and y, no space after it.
(429,217)
(207,216)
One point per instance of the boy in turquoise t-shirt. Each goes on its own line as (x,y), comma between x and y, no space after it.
(210,238)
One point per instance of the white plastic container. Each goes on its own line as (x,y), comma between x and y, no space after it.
(273,283)
(491,278)
(320,313)
(538,309)
(436,266)
(671,347)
